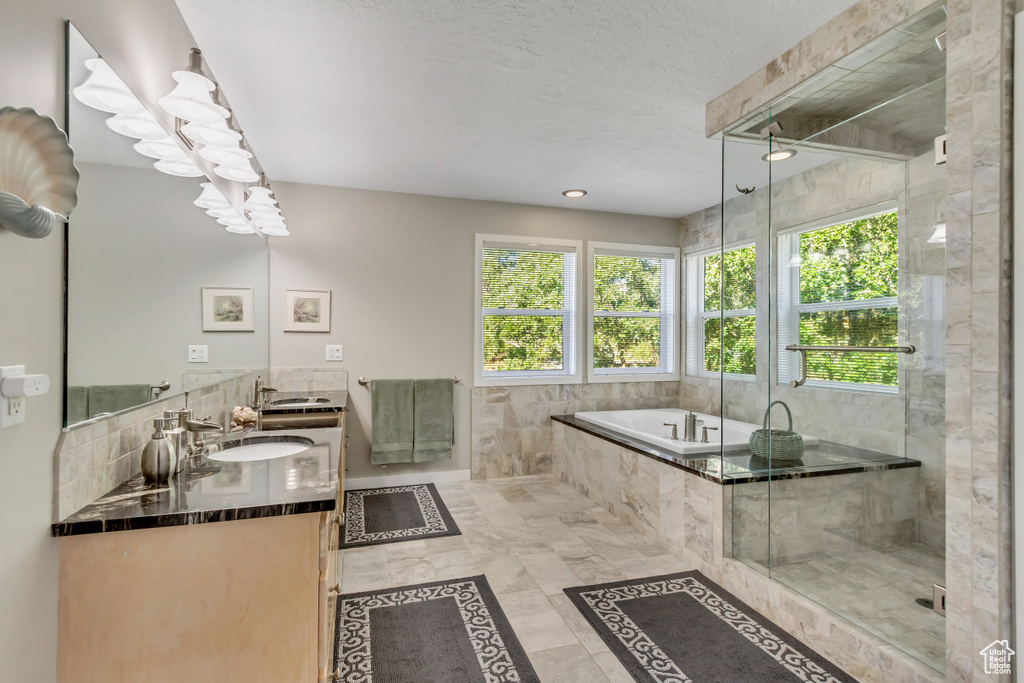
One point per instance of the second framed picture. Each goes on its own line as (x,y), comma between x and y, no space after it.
(228,309)
(307,310)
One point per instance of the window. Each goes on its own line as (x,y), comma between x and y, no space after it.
(633,312)
(721,320)
(526,310)
(838,287)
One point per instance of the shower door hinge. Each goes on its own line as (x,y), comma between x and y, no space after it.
(939,599)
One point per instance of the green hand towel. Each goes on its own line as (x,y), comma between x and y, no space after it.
(78,404)
(110,398)
(391,402)
(434,420)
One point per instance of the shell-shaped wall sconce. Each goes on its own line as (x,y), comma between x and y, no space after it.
(38,178)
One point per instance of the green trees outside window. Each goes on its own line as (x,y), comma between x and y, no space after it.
(728,298)
(848,297)
(526,297)
(628,310)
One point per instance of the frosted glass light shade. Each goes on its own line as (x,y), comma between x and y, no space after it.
(142,126)
(260,202)
(275,232)
(230,212)
(939,235)
(164,148)
(240,229)
(191,100)
(103,90)
(233,156)
(239,174)
(212,134)
(211,198)
(183,169)
(237,225)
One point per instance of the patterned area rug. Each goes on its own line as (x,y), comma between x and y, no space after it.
(452,631)
(683,627)
(398,513)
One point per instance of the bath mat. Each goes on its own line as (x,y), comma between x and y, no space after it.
(452,631)
(684,627)
(394,514)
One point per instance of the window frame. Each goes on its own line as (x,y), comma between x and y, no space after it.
(572,370)
(696,316)
(789,307)
(669,315)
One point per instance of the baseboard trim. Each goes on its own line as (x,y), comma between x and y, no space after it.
(407,479)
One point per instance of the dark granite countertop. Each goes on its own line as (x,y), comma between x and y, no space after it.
(740,467)
(216,491)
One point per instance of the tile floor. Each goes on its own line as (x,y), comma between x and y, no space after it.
(876,590)
(531,536)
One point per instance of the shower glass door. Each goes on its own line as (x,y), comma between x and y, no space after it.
(844,500)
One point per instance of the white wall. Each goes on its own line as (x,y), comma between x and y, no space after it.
(140,254)
(400,269)
(150,39)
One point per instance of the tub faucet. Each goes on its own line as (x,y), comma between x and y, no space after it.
(675,430)
(704,433)
(690,433)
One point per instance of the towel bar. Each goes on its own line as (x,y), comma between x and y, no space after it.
(364,382)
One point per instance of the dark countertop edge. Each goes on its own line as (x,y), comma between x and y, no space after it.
(155,521)
(651,451)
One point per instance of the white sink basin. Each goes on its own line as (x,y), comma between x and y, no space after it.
(261,448)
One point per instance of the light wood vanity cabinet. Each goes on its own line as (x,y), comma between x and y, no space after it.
(247,600)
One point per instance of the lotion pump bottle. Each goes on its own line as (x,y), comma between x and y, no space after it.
(159,460)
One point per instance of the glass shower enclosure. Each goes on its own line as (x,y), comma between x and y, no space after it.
(819,309)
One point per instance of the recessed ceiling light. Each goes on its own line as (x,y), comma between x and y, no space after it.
(574,193)
(779,155)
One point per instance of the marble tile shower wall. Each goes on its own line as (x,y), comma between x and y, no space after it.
(309,379)
(911,423)
(511,426)
(93,458)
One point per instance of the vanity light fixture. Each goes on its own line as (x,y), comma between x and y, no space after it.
(211,198)
(103,90)
(142,126)
(233,156)
(163,148)
(939,235)
(182,169)
(261,201)
(573,194)
(275,232)
(218,134)
(191,99)
(237,225)
(230,212)
(238,174)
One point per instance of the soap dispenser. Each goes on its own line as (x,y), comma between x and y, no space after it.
(159,460)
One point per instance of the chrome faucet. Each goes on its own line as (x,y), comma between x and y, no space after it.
(691,424)
(675,430)
(197,428)
(704,433)
(260,393)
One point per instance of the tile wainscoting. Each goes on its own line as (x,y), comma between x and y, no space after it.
(93,457)
(511,425)
(692,518)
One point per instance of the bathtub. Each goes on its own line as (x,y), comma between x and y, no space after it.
(649,426)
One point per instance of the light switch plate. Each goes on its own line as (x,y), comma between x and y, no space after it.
(12,410)
(333,352)
(198,354)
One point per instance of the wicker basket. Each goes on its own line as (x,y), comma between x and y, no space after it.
(786,446)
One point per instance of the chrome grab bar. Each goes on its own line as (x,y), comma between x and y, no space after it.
(802,350)
(364,382)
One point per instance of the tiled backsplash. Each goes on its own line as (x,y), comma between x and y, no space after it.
(309,379)
(511,426)
(93,457)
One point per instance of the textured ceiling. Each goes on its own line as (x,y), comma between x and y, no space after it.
(503,100)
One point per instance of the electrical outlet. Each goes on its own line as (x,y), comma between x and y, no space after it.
(198,354)
(333,352)
(12,410)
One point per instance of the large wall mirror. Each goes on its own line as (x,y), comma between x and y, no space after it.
(149,273)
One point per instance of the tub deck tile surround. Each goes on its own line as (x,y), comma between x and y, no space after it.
(827,459)
(693,517)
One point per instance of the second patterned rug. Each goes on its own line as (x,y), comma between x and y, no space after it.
(394,514)
(446,631)
(683,627)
